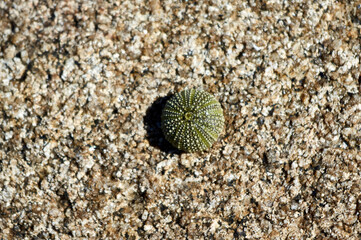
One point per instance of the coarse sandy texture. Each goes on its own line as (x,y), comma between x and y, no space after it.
(82,84)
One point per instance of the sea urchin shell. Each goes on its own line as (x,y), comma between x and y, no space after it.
(192,120)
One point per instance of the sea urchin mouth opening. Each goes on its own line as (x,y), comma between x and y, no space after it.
(192,120)
(188,116)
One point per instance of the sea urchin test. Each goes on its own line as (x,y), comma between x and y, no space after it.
(192,120)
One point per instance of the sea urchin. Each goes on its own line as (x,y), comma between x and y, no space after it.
(192,120)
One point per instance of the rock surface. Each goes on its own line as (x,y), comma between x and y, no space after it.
(82,84)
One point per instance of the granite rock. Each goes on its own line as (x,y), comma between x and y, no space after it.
(81,152)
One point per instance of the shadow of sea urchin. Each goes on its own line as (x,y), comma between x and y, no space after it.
(192,120)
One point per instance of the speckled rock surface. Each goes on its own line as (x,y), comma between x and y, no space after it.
(82,84)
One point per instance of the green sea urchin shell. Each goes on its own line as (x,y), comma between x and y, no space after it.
(192,120)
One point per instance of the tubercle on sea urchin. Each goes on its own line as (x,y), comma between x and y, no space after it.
(192,120)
